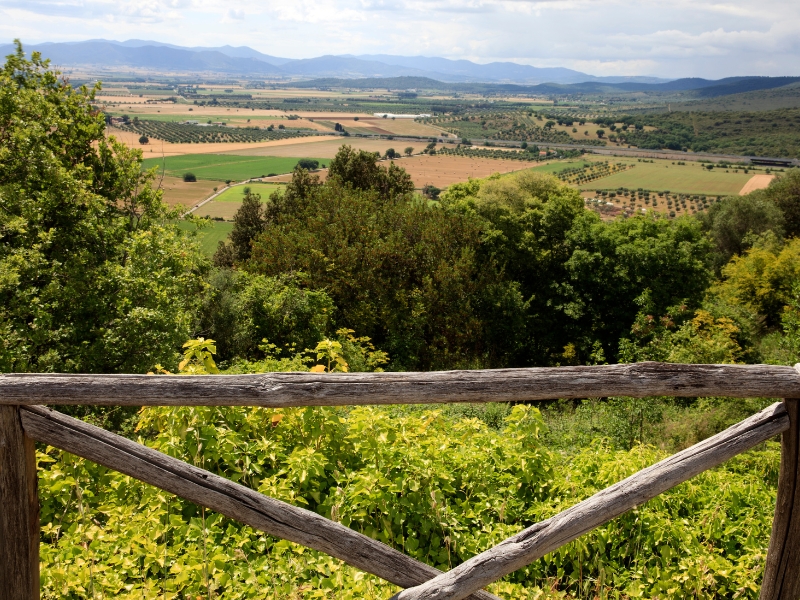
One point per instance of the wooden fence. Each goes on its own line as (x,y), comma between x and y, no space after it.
(23,420)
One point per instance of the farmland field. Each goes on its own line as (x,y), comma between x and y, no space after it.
(235,194)
(324,148)
(221,167)
(198,134)
(177,191)
(210,236)
(441,170)
(692,178)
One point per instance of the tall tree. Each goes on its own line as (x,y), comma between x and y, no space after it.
(93,274)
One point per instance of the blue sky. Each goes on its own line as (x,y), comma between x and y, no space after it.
(678,38)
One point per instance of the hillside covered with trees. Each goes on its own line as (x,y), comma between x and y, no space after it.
(362,273)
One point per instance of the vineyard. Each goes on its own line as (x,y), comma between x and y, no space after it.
(591,171)
(516,126)
(182,133)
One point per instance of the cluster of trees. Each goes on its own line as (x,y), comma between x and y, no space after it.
(765,133)
(507,271)
(96,276)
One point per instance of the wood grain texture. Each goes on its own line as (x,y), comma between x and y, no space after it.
(782,572)
(19,512)
(547,536)
(230,499)
(320,389)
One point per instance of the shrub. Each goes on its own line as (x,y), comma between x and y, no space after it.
(189,177)
(308,163)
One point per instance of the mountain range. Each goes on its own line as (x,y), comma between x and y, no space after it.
(245,61)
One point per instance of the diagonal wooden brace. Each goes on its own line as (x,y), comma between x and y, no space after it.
(225,497)
(547,536)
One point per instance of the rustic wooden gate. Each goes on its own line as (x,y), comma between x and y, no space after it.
(24,420)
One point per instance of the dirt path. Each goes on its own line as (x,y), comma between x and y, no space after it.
(756,182)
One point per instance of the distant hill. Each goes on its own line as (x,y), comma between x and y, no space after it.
(496,71)
(229,60)
(698,88)
(380,70)
(158,58)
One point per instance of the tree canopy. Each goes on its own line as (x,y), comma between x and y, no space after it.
(93,275)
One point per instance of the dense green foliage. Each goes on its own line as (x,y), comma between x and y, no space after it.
(439,487)
(767,133)
(96,276)
(93,277)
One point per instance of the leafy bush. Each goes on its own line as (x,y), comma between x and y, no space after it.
(189,177)
(438,488)
(96,277)
(308,163)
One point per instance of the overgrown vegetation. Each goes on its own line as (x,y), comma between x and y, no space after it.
(360,273)
(772,133)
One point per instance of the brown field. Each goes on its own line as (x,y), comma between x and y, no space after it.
(215,210)
(157,147)
(443,171)
(176,191)
(757,182)
(320,147)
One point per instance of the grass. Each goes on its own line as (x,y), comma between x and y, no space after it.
(236,194)
(555,167)
(222,167)
(229,201)
(692,178)
(209,236)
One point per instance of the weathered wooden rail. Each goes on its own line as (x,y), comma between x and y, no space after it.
(24,420)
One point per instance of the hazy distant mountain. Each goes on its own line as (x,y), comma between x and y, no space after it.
(104,54)
(497,71)
(246,61)
(232,51)
(243,61)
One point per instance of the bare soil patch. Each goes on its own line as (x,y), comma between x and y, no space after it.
(177,191)
(756,182)
(321,147)
(443,171)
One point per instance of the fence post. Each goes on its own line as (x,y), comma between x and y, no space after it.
(782,571)
(19,510)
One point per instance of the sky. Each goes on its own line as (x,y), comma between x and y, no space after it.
(679,38)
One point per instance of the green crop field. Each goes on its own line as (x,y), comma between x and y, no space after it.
(209,236)
(555,167)
(222,167)
(236,194)
(692,178)
(228,202)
